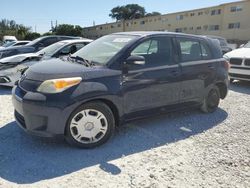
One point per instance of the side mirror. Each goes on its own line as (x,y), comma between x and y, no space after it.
(135,60)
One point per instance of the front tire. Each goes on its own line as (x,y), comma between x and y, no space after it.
(90,125)
(211,101)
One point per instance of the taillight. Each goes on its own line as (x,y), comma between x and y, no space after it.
(226,64)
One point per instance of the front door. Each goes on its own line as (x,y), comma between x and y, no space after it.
(155,84)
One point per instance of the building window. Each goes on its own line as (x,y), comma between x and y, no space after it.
(236,8)
(200,13)
(205,27)
(178,30)
(119,25)
(214,27)
(191,28)
(234,25)
(164,20)
(192,14)
(112,26)
(198,28)
(135,23)
(179,17)
(142,22)
(216,12)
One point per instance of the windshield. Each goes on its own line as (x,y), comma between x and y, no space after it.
(9,44)
(103,49)
(247,45)
(50,50)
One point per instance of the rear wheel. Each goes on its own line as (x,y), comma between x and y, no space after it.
(90,125)
(211,101)
(231,80)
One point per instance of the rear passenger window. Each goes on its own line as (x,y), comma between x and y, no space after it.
(193,50)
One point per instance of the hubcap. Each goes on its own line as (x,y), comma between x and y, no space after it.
(88,126)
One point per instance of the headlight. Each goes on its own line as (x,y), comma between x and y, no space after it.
(58,85)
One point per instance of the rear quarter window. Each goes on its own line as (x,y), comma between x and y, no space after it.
(193,50)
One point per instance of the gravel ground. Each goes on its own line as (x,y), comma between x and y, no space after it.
(187,149)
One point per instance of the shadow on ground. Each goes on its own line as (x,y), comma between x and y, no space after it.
(25,159)
(240,86)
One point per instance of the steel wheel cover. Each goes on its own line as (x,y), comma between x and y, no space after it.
(88,126)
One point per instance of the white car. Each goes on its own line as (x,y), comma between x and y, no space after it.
(240,63)
(12,67)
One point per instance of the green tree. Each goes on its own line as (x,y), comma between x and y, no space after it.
(10,27)
(127,12)
(153,14)
(32,36)
(67,29)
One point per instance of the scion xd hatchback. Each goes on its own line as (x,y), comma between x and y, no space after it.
(117,78)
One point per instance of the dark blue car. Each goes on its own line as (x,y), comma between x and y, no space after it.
(119,78)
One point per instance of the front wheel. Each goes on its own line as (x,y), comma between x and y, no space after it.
(90,125)
(211,101)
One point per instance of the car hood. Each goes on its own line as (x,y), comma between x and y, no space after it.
(239,53)
(58,68)
(18,58)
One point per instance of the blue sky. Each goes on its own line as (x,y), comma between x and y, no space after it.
(39,13)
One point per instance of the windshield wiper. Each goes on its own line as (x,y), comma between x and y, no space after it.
(82,61)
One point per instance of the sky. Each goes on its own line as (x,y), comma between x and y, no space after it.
(38,14)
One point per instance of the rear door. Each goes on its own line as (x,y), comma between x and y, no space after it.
(155,84)
(198,68)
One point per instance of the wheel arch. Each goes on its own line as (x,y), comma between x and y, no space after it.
(222,89)
(113,107)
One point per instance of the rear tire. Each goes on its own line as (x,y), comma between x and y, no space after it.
(231,80)
(211,101)
(90,125)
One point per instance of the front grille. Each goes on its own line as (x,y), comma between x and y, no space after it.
(239,76)
(247,62)
(20,119)
(235,61)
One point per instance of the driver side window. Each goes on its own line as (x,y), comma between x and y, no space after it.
(156,51)
(145,48)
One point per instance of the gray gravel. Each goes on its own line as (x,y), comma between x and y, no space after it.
(187,149)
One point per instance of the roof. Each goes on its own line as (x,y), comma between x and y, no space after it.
(76,40)
(149,33)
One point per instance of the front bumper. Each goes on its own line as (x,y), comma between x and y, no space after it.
(37,115)
(239,73)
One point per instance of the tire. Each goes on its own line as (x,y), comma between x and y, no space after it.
(231,80)
(90,125)
(211,101)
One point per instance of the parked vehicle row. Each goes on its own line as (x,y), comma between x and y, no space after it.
(118,78)
(12,67)
(33,46)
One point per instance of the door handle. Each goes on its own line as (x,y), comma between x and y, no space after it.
(210,66)
(175,73)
